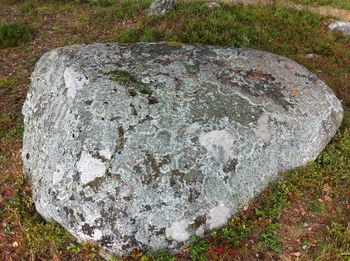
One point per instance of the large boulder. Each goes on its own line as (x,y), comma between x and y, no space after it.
(143,145)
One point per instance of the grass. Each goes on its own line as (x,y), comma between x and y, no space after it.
(315,196)
(7,83)
(12,35)
(269,238)
(343,4)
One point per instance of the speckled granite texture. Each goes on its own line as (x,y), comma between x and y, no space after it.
(143,145)
(343,27)
(161,7)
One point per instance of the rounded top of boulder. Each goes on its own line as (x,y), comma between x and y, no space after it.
(143,145)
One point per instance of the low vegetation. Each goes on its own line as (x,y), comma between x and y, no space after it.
(13,34)
(344,4)
(305,214)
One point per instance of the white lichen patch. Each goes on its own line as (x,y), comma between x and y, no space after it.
(262,130)
(51,70)
(146,80)
(97,234)
(178,231)
(74,81)
(219,144)
(90,168)
(193,129)
(218,216)
(106,154)
(200,231)
(57,175)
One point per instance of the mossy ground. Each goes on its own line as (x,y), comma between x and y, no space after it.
(305,215)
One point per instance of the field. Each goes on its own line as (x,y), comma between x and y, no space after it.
(304,216)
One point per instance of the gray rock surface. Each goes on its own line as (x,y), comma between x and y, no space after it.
(343,27)
(161,7)
(143,145)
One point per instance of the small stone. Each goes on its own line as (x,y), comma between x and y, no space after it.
(161,7)
(343,27)
(212,5)
(297,254)
(311,56)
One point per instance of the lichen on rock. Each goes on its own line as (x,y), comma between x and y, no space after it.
(141,146)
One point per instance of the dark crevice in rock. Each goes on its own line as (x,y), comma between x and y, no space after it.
(133,109)
(106,240)
(132,92)
(96,184)
(193,195)
(152,172)
(230,166)
(116,118)
(199,221)
(88,229)
(81,216)
(152,100)
(160,232)
(120,142)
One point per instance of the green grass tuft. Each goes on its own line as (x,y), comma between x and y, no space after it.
(12,35)
(7,83)
(270,240)
(199,250)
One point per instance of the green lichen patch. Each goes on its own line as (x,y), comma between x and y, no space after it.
(145,90)
(123,77)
